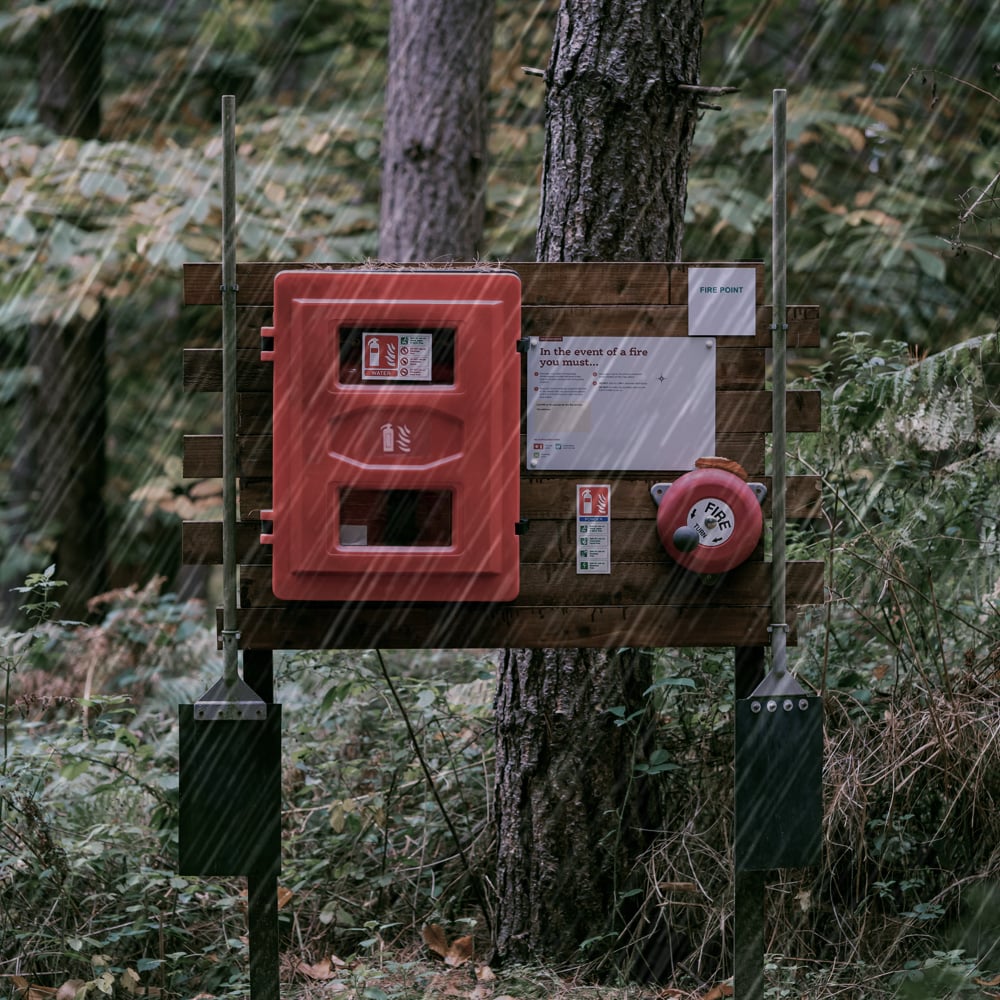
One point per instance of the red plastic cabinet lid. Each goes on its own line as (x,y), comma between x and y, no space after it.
(396,435)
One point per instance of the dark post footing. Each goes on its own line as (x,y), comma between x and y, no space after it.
(748,982)
(262,889)
(262,928)
(748,952)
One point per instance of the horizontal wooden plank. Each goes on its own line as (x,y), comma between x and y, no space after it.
(735,368)
(637,320)
(203,370)
(203,455)
(201,544)
(547,540)
(587,284)
(552,496)
(739,415)
(591,283)
(605,321)
(464,626)
(549,584)
(626,321)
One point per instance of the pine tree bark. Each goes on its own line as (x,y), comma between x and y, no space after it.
(571,817)
(434,147)
(618,131)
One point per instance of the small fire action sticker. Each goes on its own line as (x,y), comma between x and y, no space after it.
(593,528)
(403,357)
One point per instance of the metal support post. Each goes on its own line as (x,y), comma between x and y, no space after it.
(749,901)
(779,628)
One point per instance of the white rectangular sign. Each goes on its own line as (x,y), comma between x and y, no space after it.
(402,357)
(722,302)
(593,528)
(620,404)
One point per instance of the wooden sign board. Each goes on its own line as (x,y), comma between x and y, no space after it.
(645,599)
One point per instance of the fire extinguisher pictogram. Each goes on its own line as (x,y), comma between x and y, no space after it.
(710,519)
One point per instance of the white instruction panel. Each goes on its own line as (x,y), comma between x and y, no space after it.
(722,302)
(620,404)
(593,528)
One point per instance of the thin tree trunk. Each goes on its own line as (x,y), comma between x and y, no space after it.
(572,817)
(69,432)
(434,146)
(71,421)
(70,71)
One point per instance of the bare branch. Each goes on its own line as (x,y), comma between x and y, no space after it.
(967,214)
(708,91)
(960,247)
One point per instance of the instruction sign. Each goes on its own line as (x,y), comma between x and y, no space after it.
(403,357)
(722,302)
(620,404)
(593,528)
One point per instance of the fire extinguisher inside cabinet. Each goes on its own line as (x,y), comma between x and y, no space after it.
(710,519)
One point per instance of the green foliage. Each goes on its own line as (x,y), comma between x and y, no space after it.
(884,162)
(370,837)
(910,455)
(88,794)
(88,801)
(882,156)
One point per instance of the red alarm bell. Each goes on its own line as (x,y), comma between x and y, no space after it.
(710,519)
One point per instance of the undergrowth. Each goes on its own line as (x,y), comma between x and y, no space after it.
(388,764)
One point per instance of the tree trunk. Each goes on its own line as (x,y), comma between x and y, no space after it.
(71,422)
(69,432)
(70,71)
(435,139)
(618,131)
(572,816)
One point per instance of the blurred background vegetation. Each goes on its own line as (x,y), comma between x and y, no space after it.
(894,153)
(893,130)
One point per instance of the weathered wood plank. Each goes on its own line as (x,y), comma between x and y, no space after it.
(201,544)
(635,320)
(605,321)
(203,455)
(594,283)
(740,416)
(591,284)
(463,626)
(203,370)
(552,496)
(735,368)
(547,540)
(551,584)
(629,321)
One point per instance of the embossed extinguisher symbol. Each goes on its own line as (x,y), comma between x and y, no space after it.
(388,432)
(588,502)
(373,358)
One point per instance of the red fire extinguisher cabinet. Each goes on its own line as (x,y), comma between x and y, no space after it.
(396,435)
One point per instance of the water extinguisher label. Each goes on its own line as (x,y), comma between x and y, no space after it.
(713,520)
(593,528)
(402,357)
